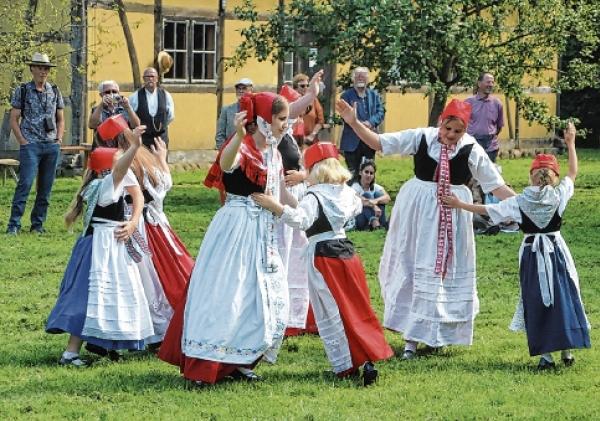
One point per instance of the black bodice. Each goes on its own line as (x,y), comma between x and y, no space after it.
(113,212)
(528,227)
(237,183)
(290,154)
(321,224)
(425,166)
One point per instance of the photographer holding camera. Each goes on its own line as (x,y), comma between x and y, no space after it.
(37,121)
(112,103)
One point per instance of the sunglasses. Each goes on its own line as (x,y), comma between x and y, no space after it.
(113,91)
(303,85)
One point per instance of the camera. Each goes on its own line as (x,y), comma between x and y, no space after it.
(116,99)
(49,124)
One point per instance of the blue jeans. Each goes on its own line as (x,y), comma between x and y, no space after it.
(363,221)
(36,158)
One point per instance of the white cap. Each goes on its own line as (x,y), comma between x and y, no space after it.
(244,81)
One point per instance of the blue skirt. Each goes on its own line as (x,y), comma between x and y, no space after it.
(558,327)
(69,312)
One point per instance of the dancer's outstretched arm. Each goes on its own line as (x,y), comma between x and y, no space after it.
(348,113)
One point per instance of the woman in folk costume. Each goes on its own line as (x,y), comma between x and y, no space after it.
(236,309)
(164,263)
(292,241)
(427,271)
(338,288)
(550,307)
(101,298)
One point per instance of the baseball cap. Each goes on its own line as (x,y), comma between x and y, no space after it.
(244,81)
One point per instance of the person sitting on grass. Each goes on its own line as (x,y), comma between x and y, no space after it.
(550,307)
(348,326)
(373,196)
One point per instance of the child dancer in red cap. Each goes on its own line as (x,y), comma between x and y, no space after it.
(550,307)
(338,288)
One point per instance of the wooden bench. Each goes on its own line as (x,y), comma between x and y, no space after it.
(77,149)
(9,165)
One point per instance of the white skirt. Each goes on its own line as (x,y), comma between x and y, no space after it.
(117,307)
(236,312)
(418,302)
(292,245)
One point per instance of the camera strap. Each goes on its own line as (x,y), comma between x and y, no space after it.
(24,96)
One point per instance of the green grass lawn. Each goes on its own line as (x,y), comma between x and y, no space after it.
(494,378)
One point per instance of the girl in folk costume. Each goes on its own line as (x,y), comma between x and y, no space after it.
(166,265)
(338,288)
(292,241)
(427,271)
(101,298)
(237,302)
(550,307)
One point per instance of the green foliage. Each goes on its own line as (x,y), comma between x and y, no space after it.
(25,29)
(492,379)
(437,44)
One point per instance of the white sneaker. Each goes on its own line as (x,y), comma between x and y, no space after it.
(73,362)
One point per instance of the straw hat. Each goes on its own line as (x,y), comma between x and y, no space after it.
(40,59)
(165,62)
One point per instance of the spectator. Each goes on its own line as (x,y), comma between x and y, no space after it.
(155,109)
(37,120)
(487,117)
(373,196)
(370,112)
(111,103)
(312,119)
(225,125)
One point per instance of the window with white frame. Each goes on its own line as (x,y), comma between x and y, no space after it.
(193,46)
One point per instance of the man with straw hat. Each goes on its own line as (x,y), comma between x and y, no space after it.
(37,121)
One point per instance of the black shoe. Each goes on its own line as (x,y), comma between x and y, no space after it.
(196,384)
(408,355)
(155,347)
(12,231)
(369,374)
(544,364)
(568,362)
(249,376)
(103,352)
(37,230)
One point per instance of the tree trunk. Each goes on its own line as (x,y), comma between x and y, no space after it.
(158,17)
(511,130)
(439,102)
(135,66)
(78,71)
(517,124)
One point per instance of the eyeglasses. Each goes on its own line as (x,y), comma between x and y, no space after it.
(112,91)
(303,85)
(149,76)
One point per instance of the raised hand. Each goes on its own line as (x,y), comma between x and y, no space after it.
(347,112)
(315,82)
(570,133)
(159,148)
(239,122)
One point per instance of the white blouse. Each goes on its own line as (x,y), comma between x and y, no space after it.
(406,142)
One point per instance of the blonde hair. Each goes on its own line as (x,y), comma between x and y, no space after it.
(329,171)
(76,207)
(143,160)
(543,177)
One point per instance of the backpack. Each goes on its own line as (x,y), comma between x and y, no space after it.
(24,95)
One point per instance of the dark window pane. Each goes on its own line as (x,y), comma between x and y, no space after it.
(210,38)
(180,36)
(168,38)
(198,37)
(210,67)
(170,74)
(198,66)
(180,67)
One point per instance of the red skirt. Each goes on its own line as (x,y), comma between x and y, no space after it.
(311,326)
(191,368)
(174,270)
(348,285)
